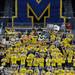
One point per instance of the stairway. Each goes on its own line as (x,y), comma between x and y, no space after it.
(68,8)
(69,13)
(8,9)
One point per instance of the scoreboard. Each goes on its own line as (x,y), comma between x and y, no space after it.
(31,13)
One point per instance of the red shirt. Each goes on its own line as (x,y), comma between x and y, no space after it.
(68,26)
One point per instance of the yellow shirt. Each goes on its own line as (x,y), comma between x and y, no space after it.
(47,73)
(13,59)
(3,64)
(64,59)
(8,56)
(37,49)
(29,61)
(4,60)
(41,62)
(69,59)
(60,62)
(48,62)
(30,72)
(53,37)
(31,56)
(53,62)
(35,62)
(35,73)
(74,62)
(34,39)
(23,70)
(45,49)
(23,58)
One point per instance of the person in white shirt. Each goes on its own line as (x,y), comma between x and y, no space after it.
(3,41)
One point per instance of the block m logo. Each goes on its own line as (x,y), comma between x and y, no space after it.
(30,12)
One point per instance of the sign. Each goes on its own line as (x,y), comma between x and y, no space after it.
(32,13)
(35,13)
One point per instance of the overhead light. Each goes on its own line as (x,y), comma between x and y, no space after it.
(69,17)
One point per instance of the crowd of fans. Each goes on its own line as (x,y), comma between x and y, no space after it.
(36,54)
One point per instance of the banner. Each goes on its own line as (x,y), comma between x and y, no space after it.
(37,12)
